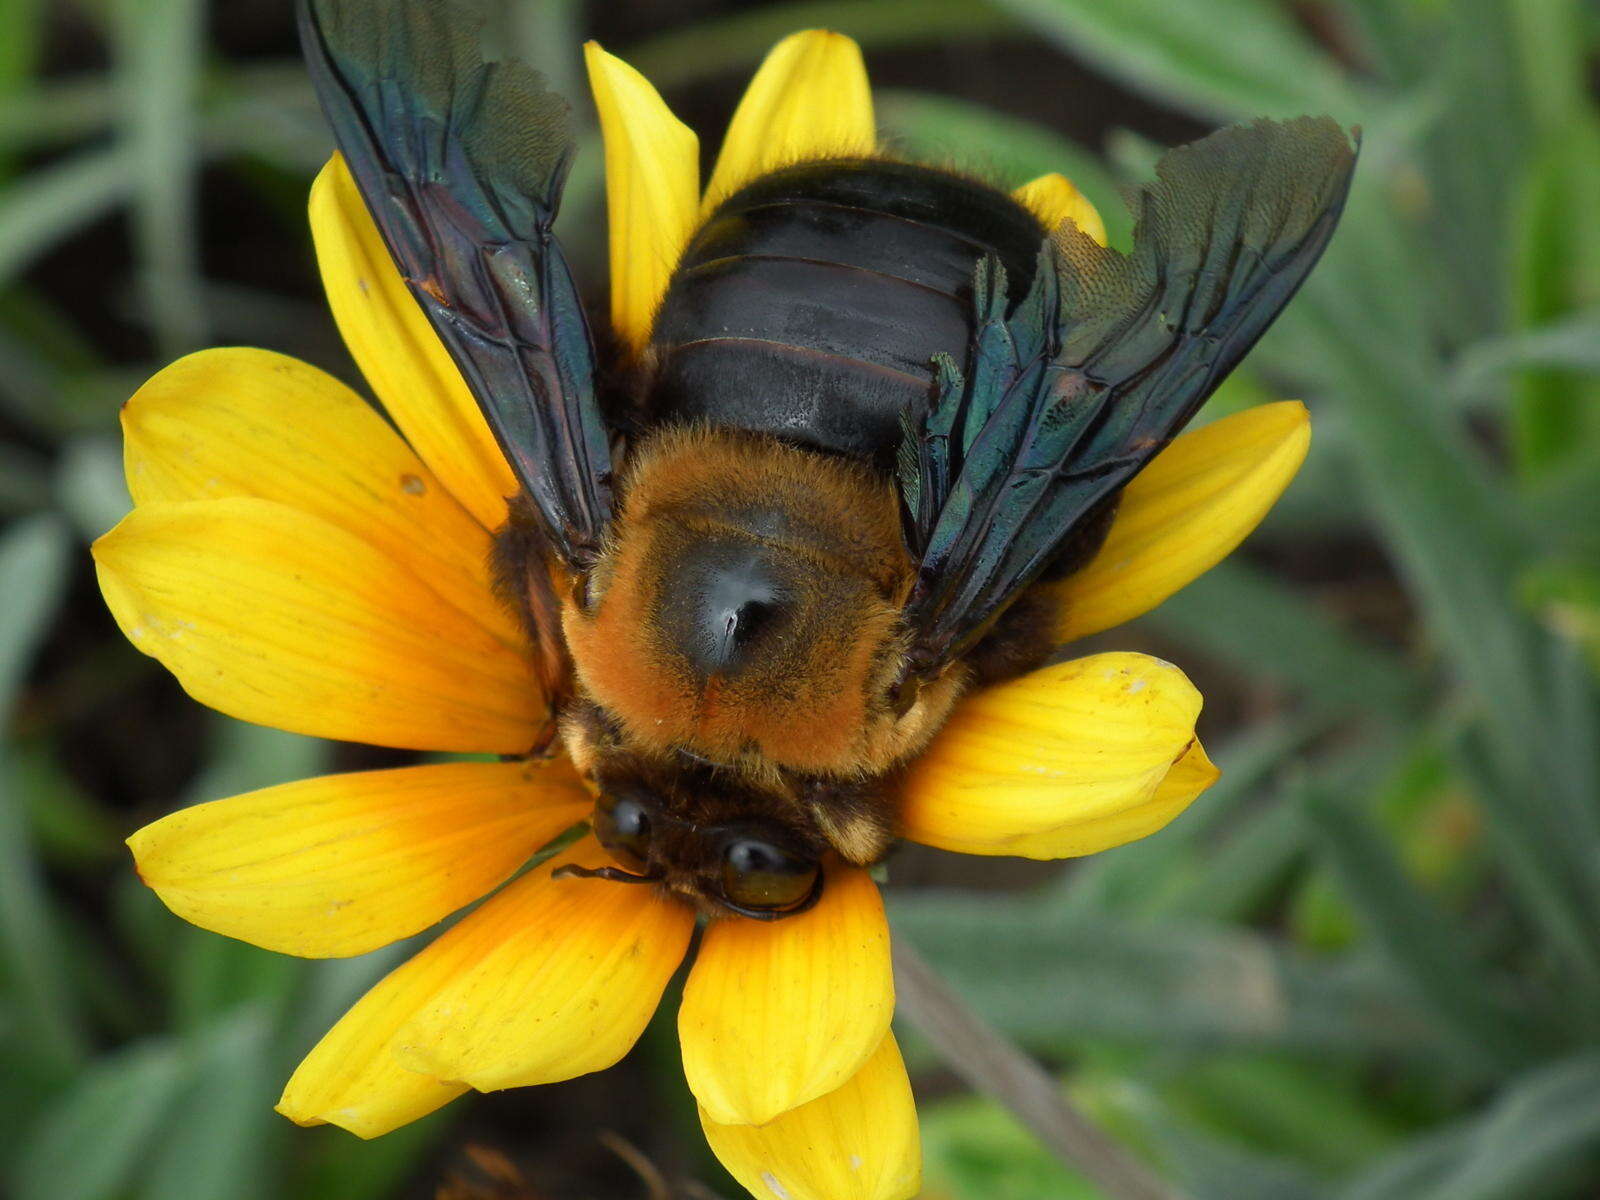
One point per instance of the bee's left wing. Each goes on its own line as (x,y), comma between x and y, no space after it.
(461,164)
(1065,398)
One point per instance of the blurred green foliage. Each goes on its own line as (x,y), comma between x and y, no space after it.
(1366,966)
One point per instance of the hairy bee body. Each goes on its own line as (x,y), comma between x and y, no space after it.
(810,304)
(878,403)
(739,648)
(746,611)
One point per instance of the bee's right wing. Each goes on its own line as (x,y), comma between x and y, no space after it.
(461,164)
(1066,396)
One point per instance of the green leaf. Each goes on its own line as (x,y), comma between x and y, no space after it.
(1248,619)
(52,378)
(1458,541)
(1532,1137)
(214,976)
(1569,344)
(69,825)
(1556,270)
(1575,716)
(220,1140)
(334,984)
(266,107)
(1541,1132)
(19,51)
(1422,811)
(1010,150)
(1553,56)
(1405,1173)
(89,1142)
(1052,983)
(143,925)
(1220,58)
(24,483)
(245,757)
(1290,1110)
(1420,944)
(1388,33)
(1213,1169)
(1566,596)
(45,206)
(1471,162)
(1244,872)
(157,45)
(54,112)
(33,562)
(975,1150)
(1243,875)
(98,975)
(987,1061)
(23,23)
(90,485)
(339,1167)
(1213,861)
(1561,501)
(1535,863)
(1352,770)
(739,40)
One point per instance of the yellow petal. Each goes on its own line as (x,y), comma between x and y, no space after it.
(575,971)
(346,863)
(1045,765)
(810,99)
(280,618)
(857,1143)
(652,190)
(397,350)
(778,1014)
(1053,199)
(1184,513)
(1179,788)
(351,1078)
(239,422)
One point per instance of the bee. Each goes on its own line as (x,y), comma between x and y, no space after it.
(762,559)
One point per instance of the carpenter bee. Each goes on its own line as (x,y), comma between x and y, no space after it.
(761,559)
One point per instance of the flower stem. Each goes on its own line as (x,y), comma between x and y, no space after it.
(992,1064)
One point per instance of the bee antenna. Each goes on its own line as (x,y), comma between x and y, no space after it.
(614,874)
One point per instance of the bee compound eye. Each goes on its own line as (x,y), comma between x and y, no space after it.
(622,825)
(761,879)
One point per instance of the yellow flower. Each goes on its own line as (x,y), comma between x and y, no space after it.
(296,562)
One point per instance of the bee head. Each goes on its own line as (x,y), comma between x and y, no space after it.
(727,851)
(747,610)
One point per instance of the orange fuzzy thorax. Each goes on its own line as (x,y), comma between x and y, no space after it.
(806,696)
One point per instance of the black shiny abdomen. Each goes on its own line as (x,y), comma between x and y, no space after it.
(811,303)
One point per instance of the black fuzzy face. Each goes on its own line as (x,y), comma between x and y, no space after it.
(706,833)
(725,839)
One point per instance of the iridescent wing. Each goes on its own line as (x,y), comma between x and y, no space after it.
(462,163)
(1063,399)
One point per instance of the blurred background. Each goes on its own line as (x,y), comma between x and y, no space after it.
(1365,966)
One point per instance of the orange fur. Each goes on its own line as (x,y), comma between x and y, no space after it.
(812,702)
